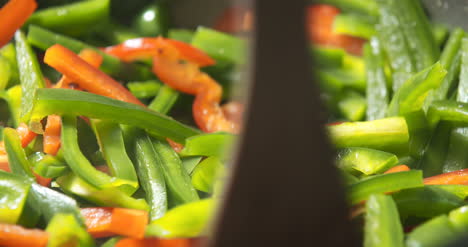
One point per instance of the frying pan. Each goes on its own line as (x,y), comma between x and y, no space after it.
(283,189)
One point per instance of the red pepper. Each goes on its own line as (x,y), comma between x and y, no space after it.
(399,168)
(455,177)
(13,235)
(12,16)
(25,134)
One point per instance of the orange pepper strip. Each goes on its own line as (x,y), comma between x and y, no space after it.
(320,20)
(51,141)
(4,163)
(2,148)
(141,48)
(399,168)
(155,242)
(12,16)
(105,222)
(176,146)
(90,56)
(25,134)
(85,75)
(455,177)
(14,235)
(42,180)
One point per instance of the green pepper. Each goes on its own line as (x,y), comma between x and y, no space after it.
(111,242)
(17,158)
(144,89)
(382,223)
(365,7)
(361,190)
(5,73)
(153,20)
(184,35)
(440,33)
(188,220)
(354,25)
(64,230)
(447,110)
(179,187)
(13,194)
(433,233)
(112,145)
(394,42)
(164,100)
(189,163)
(459,219)
(220,46)
(352,105)
(411,95)
(13,98)
(72,19)
(327,57)
(435,154)
(382,134)
(426,202)
(78,162)
(336,79)
(366,161)
(108,197)
(43,39)
(207,173)
(47,165)
(377,93)
(8,52)
(77,103)
(461,191)
(212,144)
(149,169)
(30,74)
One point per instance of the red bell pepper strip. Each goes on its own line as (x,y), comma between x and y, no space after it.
(105,222)
(51,140)
(455,177)
(399,168)
(14,235)
(176,146)
(91,57)
(141,48)
(85,75)
(320,20)
(25,134)
(4,163)
(12,16)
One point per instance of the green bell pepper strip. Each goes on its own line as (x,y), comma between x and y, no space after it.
(8,52)
(64,230)
(184,35)
(206,174)
(327,57)
(50,202)
(354,25)
(149,169)
(440,33)
(365,161)
(382,223)
(188,220)
(112,145)
(77,103)
(352,105)
(164,100)
(336,79)
(361,190)
(426,202)
(108,197)
(432,161)
(411,95)
(13,97)
(418,33)
(461,191)
(17,159)
(364,7)
(111,242)
(43,39)
(30,74)
(434,233)
(377,93)
(447,110)
(347,178)
(179,188)
(31,215)
(459,219)
(220,46)
(212,144)
(450,60)
(457,157)
(145,89)
(5,73)
(385,134)
(189,163)
(153,20)
(13,194)
(48,166)
(394,42)
(78,162)
(72,19)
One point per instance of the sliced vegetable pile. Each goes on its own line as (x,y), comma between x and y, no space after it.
(396,91)
(102,142)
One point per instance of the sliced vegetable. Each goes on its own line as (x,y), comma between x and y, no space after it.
(435,232)
(213,144)
(366,161)
(64,230)
(13,193)
(207,173)
(14,235)
(455,177)
(13,15)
